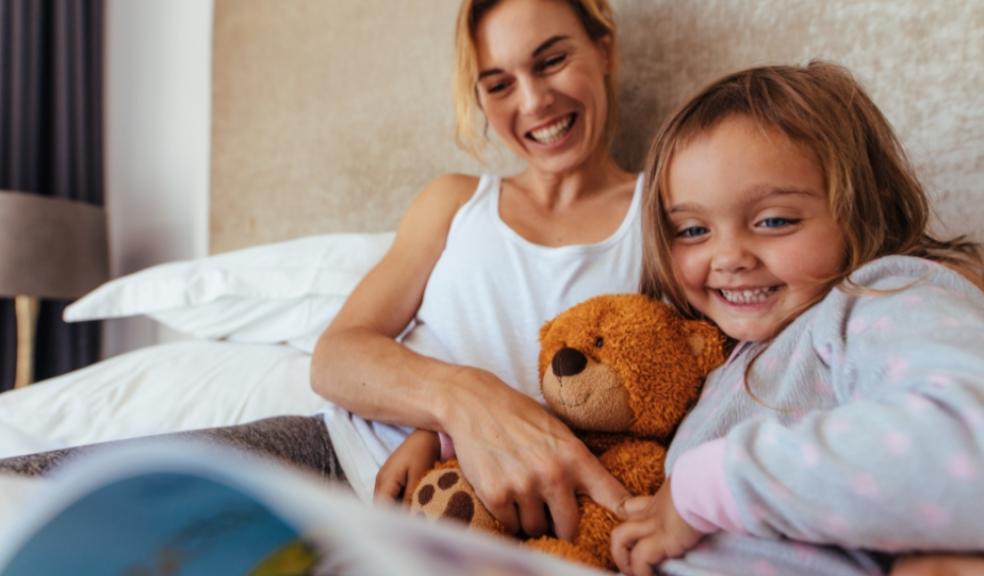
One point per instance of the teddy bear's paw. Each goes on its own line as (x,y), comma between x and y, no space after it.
(444,494)
(567,550)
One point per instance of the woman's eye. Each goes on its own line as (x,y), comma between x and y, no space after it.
(691,232)
(552,61)
(495,88)
(776,222)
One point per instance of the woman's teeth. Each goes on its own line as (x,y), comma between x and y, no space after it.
(747,296)
(554,132)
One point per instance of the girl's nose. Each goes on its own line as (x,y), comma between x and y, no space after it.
(536,96)
(730,255)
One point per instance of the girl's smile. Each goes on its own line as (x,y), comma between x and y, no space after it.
(754,239)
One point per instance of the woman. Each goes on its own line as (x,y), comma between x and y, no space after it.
(478,264)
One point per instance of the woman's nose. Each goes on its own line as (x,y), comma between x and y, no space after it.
(536,96)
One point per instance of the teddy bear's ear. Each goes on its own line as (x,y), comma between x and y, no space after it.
(707,343)
(543,360)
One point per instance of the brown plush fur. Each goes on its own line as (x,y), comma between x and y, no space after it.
(621,370)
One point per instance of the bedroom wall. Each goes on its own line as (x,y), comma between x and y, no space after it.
(330,116)
(157,87)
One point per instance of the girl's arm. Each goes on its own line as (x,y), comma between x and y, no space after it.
(899,465)
(519,458)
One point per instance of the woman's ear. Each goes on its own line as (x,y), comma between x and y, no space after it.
(604,45)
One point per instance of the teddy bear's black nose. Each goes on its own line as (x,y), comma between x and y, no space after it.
(568,362)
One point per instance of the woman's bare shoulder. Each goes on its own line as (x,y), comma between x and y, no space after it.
(453,189)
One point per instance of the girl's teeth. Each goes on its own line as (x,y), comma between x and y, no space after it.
(553,132)
(747,296)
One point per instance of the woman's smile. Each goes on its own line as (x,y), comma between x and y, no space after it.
(553,131)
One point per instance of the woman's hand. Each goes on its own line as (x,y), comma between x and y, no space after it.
(524,464)
(653,531)
(405,467)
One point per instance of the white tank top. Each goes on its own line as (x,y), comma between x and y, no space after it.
(491,291)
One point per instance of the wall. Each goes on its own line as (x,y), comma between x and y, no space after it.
(157,86)
(330,116)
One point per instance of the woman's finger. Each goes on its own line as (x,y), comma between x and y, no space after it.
(598,483)
(563,511)
(532,515)
(503,507)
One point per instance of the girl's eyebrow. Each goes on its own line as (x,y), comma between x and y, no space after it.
(542,47)
(758,194)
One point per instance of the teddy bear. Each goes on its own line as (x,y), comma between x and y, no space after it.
(621,370)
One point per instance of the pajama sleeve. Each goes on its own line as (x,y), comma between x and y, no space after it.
(898,463)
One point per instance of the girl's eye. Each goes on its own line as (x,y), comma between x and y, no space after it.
(776,222)
(691,232)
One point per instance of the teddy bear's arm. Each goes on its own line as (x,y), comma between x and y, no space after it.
(637,464)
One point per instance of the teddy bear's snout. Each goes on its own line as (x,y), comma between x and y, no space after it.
(568,362)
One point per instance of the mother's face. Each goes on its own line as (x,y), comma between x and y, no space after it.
(541,82)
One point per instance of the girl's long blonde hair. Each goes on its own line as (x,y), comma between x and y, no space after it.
(872,190)
(599,22)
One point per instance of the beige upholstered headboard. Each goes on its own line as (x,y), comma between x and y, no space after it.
(328,116)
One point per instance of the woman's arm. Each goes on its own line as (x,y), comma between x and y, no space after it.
(517,456)
(356,363)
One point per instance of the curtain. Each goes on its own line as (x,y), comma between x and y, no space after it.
(51,144)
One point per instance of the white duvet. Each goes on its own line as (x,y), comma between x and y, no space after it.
(168,387)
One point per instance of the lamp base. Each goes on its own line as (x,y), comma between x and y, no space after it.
(26,309)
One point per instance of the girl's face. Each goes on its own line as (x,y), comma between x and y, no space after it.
(754,238)
(542,82)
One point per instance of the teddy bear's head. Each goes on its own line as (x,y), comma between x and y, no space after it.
(625,363)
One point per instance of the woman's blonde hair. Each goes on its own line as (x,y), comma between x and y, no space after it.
(872,191)
(595,15)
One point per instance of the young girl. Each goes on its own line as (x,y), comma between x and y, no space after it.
(848,424)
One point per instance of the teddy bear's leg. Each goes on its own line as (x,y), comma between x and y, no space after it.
(637,464)
(565,549)
(443,493)
(592,544)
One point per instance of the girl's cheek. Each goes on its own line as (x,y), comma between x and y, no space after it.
(684,265)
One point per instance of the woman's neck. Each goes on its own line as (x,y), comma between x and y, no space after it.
(557,190)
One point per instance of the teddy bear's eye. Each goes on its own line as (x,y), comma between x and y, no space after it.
(599,342)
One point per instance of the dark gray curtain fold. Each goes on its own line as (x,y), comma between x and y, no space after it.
(51,144)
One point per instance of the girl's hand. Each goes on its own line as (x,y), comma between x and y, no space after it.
(405,467)
(939,565)
(524,464)
(653,531)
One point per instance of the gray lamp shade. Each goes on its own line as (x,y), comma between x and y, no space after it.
(50,247)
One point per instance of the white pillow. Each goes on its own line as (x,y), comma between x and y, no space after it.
(162,388)
(283,292)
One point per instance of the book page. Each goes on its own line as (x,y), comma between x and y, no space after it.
(181,507)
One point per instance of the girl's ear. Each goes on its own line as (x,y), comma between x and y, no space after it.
(707,344)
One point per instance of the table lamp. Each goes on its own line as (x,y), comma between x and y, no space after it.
(49,248)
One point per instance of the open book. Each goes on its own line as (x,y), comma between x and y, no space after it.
(179,507)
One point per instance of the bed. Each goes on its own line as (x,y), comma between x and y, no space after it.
(328,116)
